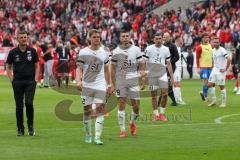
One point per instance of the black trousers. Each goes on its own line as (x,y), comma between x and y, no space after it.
(24,90)
(190,71)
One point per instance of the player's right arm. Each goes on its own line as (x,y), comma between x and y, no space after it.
(146,57)
(113,73)
(9,66)
(10,72)
(79,71)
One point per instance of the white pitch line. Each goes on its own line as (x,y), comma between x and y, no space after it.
(219,119)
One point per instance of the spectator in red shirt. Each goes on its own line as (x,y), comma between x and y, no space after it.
(228,39)
(222,36)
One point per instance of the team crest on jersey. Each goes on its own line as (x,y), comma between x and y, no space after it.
(17,58)
(29,57)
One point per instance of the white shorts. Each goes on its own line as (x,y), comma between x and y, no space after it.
(158,82)
(124,90)
(92,96)
(217,77)
(177,74)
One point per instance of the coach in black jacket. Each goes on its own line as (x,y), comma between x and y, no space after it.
(22,70)
(174,58)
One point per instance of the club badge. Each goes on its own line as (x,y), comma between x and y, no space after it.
(29,57)
(17,58)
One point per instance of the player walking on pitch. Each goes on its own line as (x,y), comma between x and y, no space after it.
(126,63)
(92,76)
(158,59)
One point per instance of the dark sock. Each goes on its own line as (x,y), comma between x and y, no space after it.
(159,101)
(171,95)
(67,79)
(58,81)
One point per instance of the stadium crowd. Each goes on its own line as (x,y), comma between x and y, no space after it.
(50,22)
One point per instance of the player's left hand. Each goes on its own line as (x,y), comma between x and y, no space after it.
(109,90)
(112,89)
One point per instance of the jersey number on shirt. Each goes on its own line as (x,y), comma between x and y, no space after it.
(127,64)
(95,67)
(157,60)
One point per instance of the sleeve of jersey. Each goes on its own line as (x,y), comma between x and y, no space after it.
(36,59)
(225,53)
(106,59)
(114,59)
(80,60)
(146,54)
(10,58)
(139,55)
(198,53)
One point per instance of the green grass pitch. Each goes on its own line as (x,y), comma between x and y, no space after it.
(191,132)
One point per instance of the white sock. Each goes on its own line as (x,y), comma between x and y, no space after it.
(224,96)
(121,120)
(180,94)
(176,94)
(155,112)
(134,117)
(162,110)
(213,94)
(87,123)
(99,126)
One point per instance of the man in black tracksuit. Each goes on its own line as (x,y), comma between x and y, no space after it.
(22,70)
(190,61)
(64,57)
(174,58)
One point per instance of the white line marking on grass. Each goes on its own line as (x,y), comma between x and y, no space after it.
(219,119)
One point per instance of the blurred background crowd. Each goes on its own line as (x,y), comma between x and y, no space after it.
(58,23)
